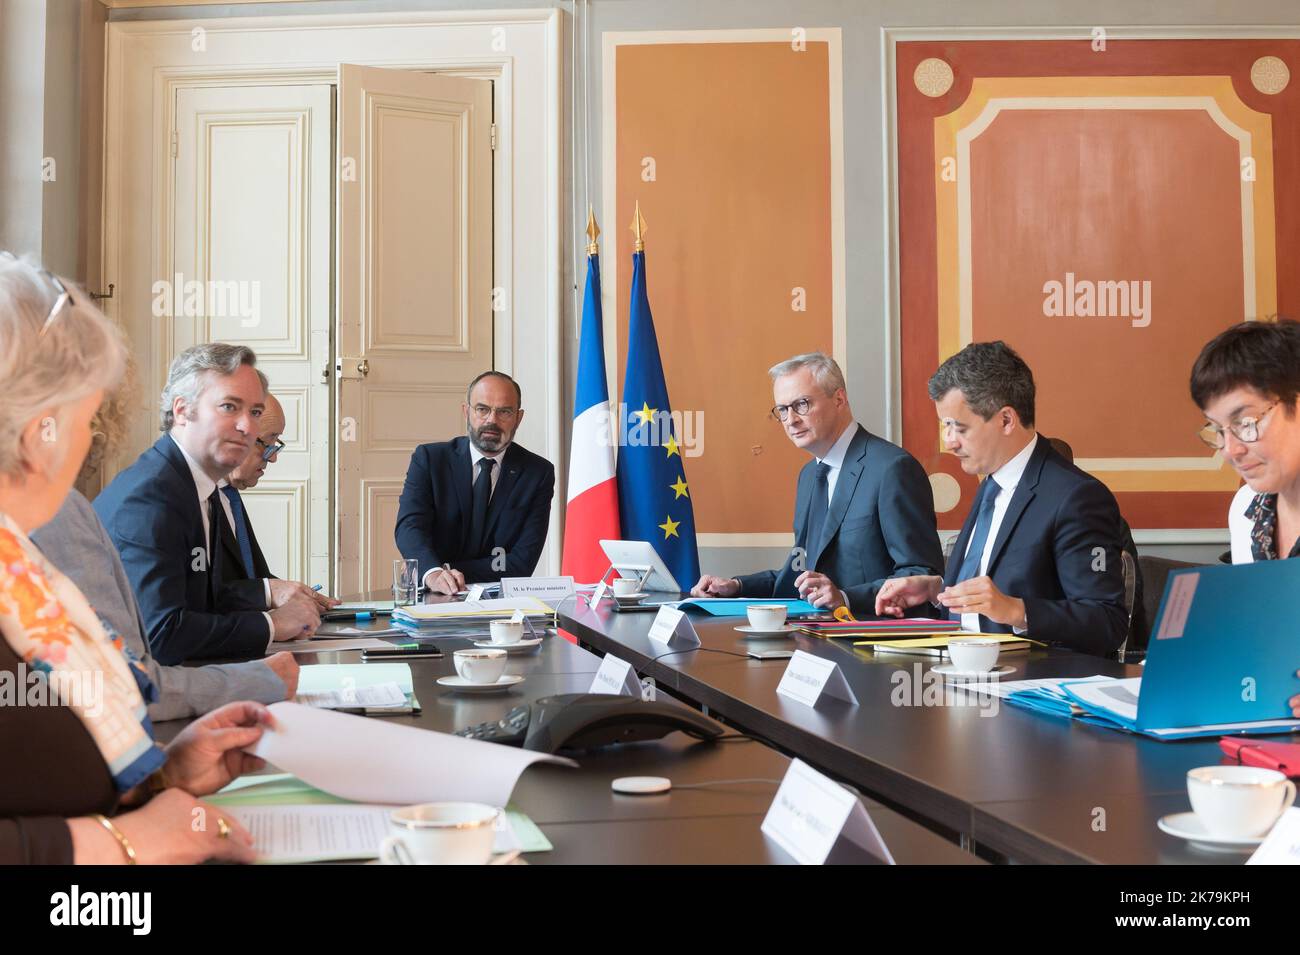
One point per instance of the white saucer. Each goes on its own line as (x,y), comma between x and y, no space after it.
(756,632)
(1185,825)
(464,686)
(631,598)
(947,670)
(511,649)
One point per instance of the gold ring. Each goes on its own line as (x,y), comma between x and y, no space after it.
(223,829)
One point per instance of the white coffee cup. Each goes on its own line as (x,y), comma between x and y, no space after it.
(1238,802)
(973,654)
(766,616)
(506,632)
(440,833)
(626,586)
(483,665)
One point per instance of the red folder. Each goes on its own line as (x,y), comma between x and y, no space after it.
(1284,757)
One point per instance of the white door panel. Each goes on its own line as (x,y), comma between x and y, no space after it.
(415,289)
(251,224)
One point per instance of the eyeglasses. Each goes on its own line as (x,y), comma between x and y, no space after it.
(270,450)
(483,412)
(800,407)
(64,296)
(1246,430)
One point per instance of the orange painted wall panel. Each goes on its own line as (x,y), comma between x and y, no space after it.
(738,215)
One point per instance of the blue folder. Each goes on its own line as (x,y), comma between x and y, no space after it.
(1222,658)
(729,607)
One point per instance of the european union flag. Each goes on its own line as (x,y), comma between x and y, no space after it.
(654,498)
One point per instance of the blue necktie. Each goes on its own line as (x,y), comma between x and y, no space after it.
(970,566)
(817,511)
(241,529)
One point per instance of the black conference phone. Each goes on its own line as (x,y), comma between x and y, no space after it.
(588,720)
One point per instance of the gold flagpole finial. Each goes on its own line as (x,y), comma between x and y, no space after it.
(593,230)
(639,229)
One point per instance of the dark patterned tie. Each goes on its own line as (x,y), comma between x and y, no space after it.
(817,510)
(482,494)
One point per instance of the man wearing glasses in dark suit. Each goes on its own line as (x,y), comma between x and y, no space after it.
(242,557)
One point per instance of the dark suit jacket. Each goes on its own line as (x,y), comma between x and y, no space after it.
(1058,550)
(433,516)
(880,524)
(151,512)
(232,561)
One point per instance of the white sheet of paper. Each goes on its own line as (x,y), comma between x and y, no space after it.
(316,833)
(1282,844)
(998,688)
(383,694)
(322,646)
(354,632)
(313,833)
(367,760)
(475,592)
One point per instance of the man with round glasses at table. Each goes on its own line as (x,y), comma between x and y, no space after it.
(864,510)
(1246,382)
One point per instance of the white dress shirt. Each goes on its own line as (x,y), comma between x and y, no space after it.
(1240,527)
(475,456)
(835,460)
(1007,479)
(206,486)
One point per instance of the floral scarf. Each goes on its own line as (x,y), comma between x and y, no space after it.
(1263,543)
(74,659)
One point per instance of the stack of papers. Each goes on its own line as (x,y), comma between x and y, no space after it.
(434,619)
(881,629)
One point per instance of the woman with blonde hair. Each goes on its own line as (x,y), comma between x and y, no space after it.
(84,780)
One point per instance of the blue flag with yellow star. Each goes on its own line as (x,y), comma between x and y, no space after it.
(653,496)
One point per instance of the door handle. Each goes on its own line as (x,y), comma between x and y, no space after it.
(352,369)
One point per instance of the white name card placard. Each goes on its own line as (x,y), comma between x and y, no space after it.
(616,677)
(808,678)
(1282,844)
(474,592)
(811,811)
(598,594)
(550,590)
(673,626)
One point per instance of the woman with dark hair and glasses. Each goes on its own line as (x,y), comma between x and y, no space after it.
(1247,382)
(83,779)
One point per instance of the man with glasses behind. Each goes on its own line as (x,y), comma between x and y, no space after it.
(864,511)
(243,559)
(476,508)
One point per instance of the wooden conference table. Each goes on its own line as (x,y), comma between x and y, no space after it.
(1007,783)
(586,821)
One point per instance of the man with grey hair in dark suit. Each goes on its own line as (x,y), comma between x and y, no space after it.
(864,510)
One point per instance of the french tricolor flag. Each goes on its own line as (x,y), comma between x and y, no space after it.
(592,511)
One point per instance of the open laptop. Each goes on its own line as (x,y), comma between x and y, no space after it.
(1222,658)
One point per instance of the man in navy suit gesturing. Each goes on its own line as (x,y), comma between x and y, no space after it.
(476,508)
(1040,550)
